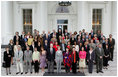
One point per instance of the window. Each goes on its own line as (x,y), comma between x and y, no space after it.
(62,21)
(27,20)
(62,24)
(96,20)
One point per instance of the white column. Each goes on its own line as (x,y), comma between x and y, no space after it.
(42,16)
(6,21)
(114,22)
(82,15)
(106,24)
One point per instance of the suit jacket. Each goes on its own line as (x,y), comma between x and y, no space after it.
(46,47)
(72,41)
(14,39)
(111,44)
(62,47)
(77,57)
(59,56)
(66,34)
(27,55)
(31,48)
(50,56)
(92,55)
(86,48)
(98,53)
(7,57)
(20,56)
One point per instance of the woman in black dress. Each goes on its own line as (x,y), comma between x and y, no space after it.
(106,57)
(39,46)
(7,60)
(11,48)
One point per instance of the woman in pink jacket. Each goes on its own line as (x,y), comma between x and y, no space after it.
(82,57)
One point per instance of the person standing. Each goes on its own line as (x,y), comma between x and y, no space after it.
(63,46)
(82,57)
(11,48)
(91,59)
(28,60)
(74,60)
(35,58)
(42,59)
(19,60)
(111,43)
(16,46)
(99,58)
(106,57)
(7,60)
(58,59)
(50,58)
(16,38)
(30,40)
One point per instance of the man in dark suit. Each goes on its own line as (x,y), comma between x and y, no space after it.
(66,33)
(16,38)
(92,34)
(63,46)
(22,41)
(99,58)
(50,58)
(86,48)
(111,42)
(46,45)
(83,39)
(72,39)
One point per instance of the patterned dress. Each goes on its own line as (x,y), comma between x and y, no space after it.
(67,61)
(43,61)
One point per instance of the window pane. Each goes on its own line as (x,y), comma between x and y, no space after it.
(27,20)
(62,21)
(96,20)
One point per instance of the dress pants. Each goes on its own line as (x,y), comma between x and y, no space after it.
(36,66)
(19,66)
(90,66)
(99,64)
(50,66)
(58,66)
(111,53)
(28,66)
(74,67)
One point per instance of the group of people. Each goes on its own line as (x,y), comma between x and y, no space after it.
(71,49)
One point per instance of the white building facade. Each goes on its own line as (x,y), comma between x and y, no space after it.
(45,16)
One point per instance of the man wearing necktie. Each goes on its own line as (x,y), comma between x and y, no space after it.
(28,60)
(99,58)
(19,60)
(50,58)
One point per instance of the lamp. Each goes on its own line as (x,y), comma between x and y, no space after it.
(64,3)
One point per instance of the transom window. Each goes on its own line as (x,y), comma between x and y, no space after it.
(96,20)
(27,20)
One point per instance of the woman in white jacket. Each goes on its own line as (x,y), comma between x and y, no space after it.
(58,59)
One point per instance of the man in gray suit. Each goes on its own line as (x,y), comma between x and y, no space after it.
(28,60)
(99,58)
(19,60)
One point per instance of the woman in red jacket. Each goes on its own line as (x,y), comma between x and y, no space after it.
(56,46)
